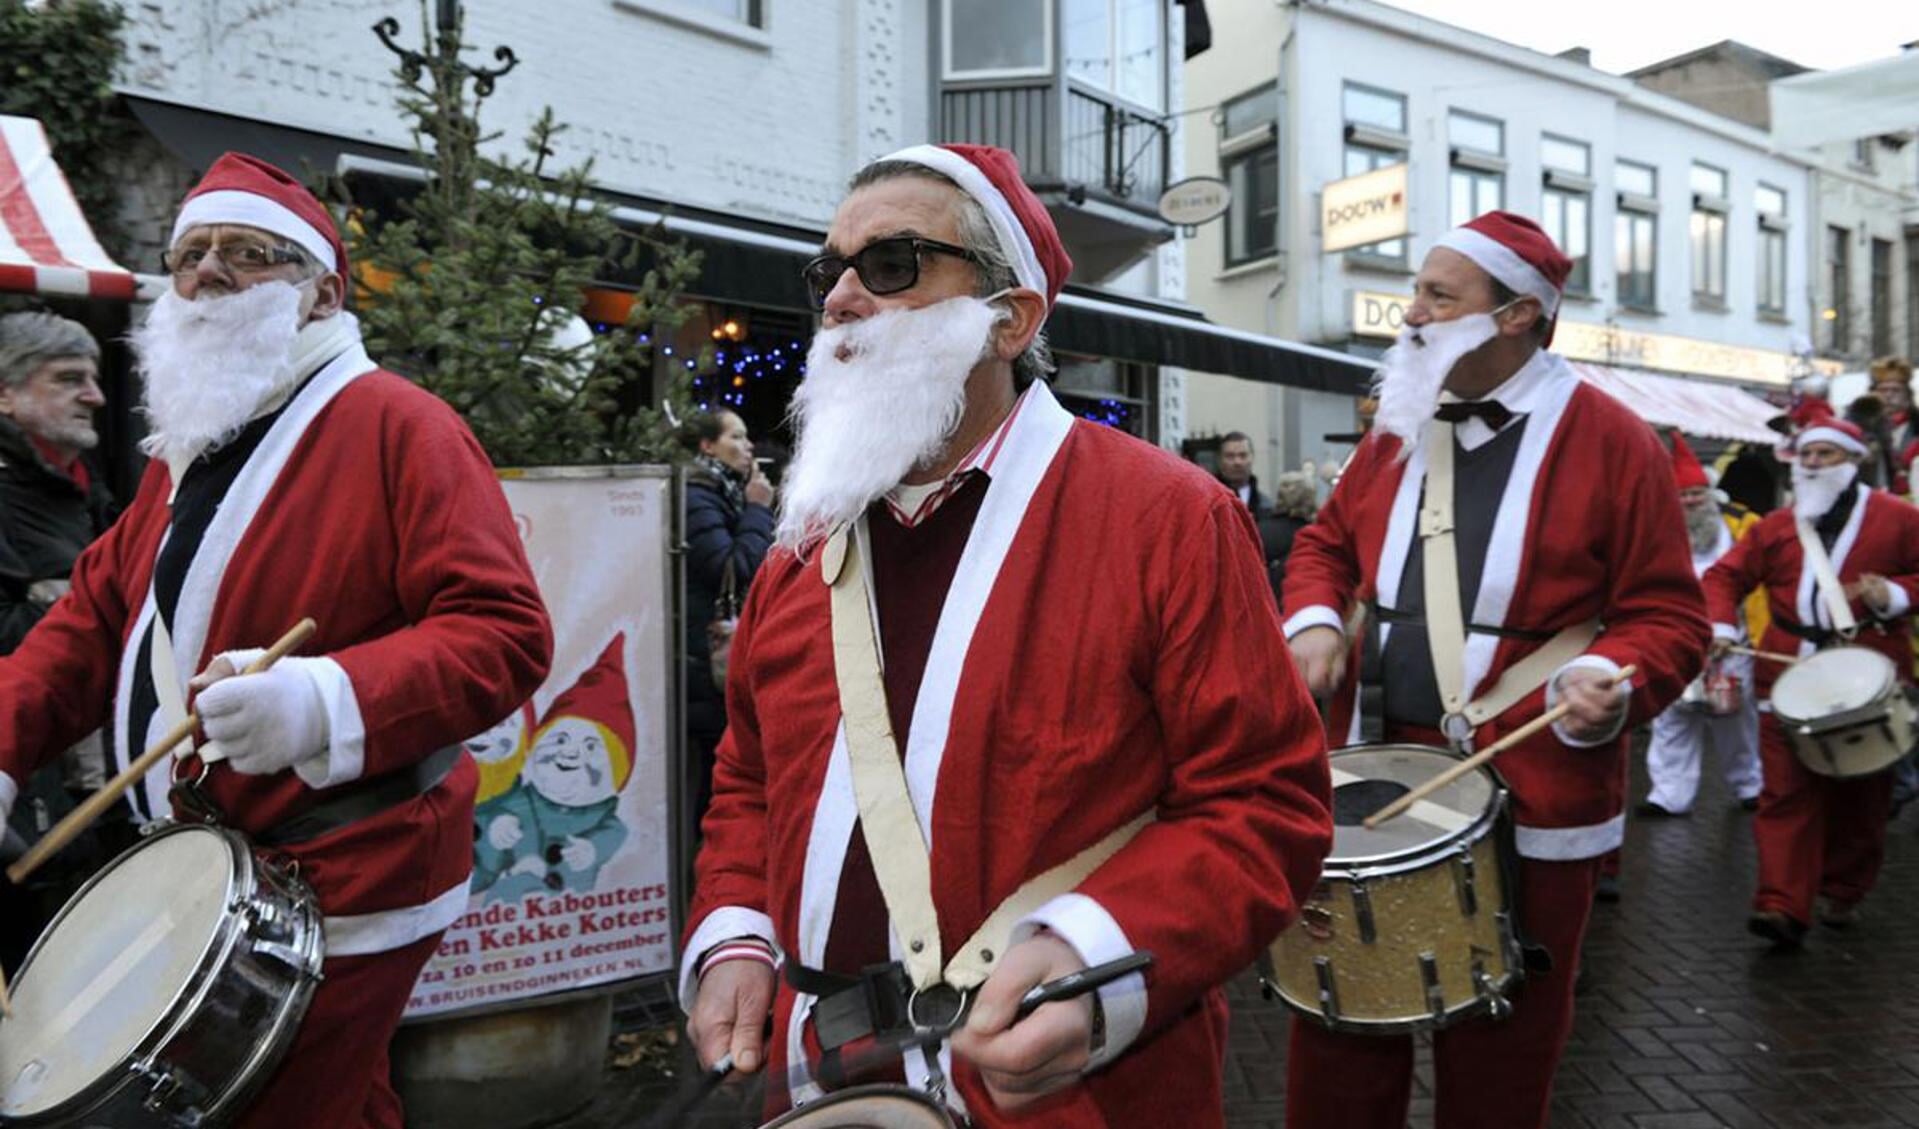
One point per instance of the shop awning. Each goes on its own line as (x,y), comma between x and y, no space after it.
(1697,407)
(46,244)
(1137,329)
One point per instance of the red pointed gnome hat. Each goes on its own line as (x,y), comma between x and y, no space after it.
(600,697)
(1687,473)
(1025,229)
(1517,252)
(243,189)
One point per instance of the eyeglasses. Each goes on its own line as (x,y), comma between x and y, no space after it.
(240,258)
(885,266)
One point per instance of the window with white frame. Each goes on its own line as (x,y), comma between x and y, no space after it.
(1376,136)
(747,12)
(1636,235)
(1249,163)
(1838,315)
(1770,203)
(1711,202)
(1566,204)
(1118,46)
(1478,181)
(998,38)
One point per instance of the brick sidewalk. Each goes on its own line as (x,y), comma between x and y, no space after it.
(1690,1024)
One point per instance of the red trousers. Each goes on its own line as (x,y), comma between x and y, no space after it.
(1489,1075)
(1816,834)
(335,1075)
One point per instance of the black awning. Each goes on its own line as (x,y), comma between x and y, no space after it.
(197,138)
(1132,329)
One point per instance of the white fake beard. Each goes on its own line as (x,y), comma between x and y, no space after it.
(881,397)
(1414,372)
(210,365)
(1815,491)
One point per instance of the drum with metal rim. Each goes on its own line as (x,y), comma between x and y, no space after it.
(867,1107)
(165,992)
(1410,926)
(1843,712)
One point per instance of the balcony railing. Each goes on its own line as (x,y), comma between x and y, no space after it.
(1091,142)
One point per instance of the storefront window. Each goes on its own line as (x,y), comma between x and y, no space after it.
(1107,391)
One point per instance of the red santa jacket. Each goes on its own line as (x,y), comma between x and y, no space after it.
(1588,528)
(1107,648)
(1881,536)
(370,507)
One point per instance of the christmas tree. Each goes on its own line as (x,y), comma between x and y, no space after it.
(475,286)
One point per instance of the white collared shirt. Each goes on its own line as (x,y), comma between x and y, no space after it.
(1520,393)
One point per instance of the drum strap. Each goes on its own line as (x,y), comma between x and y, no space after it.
(1445,620)
(1831,593)
(168,689)
(901,862)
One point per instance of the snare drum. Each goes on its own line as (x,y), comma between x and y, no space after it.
(165,992)
(1410,927)
(1843,711)
(867,1107)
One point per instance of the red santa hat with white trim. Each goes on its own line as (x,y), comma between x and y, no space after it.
(1025,230)
(1843,434)
(1517,252)
(243,189)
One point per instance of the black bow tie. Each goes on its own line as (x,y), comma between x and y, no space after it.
(1496,414)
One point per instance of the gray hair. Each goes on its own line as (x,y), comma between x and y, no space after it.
(1294,496)
(994,267)
(29,340)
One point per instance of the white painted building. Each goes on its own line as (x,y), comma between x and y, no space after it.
(1689,231)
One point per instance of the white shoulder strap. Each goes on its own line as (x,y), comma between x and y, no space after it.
(1830,591)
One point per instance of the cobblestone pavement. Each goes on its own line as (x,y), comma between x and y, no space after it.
(1689,1024)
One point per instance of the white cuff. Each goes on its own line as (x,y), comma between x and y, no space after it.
(1727,631)
(723,924)
(1897,602)
(9,791)
(345,756)
(1318,615)
(1084,924)
(1589,662)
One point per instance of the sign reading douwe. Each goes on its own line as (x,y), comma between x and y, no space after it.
(571,859)
(1364,209)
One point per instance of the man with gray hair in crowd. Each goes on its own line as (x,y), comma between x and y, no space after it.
(52,506)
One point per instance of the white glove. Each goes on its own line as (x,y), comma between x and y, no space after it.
(504,832)
(529,864)
(8,790)
(264,723)
(578,854)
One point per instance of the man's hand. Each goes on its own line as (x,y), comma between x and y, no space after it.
(262,723)
(758,490)
(1044,1052)
(46,593)
(1873,589)
(1320,653)
(1596,703)
(729,1012)
(1721,647)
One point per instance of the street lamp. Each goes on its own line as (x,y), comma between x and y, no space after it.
(447,18)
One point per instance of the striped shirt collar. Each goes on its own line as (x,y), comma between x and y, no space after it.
(911,505)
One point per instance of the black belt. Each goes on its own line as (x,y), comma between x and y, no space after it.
(376,796)
(1817,636)
(1384,614)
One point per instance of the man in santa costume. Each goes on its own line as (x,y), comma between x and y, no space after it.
(292,477)
(1090,739)
(1679,733)
(1562,521)
(1819,836)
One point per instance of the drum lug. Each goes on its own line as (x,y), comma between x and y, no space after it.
(1463,881)
(1328,990)
(1435,995)
(1363,912)
(171,1094)
(1497,1005)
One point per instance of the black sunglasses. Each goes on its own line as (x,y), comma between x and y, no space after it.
(885,266)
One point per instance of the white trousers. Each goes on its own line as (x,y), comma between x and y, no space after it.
(1679,739)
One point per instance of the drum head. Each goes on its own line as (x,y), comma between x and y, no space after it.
(1368,777)
(1829,682)
(111,967)
(867,1107)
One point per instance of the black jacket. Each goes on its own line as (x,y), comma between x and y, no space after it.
(46,519)
(718,536)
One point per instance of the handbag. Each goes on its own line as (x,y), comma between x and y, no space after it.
(719,630)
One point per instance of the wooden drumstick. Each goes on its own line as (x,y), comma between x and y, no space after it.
(6,1008)
(1399,806)
(82,817)
(1770,656)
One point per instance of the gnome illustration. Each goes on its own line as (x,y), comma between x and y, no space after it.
(560,821)
(500,752)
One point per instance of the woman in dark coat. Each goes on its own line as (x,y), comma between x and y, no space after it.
(729,527)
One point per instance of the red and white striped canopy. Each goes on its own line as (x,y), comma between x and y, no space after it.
(46,244)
